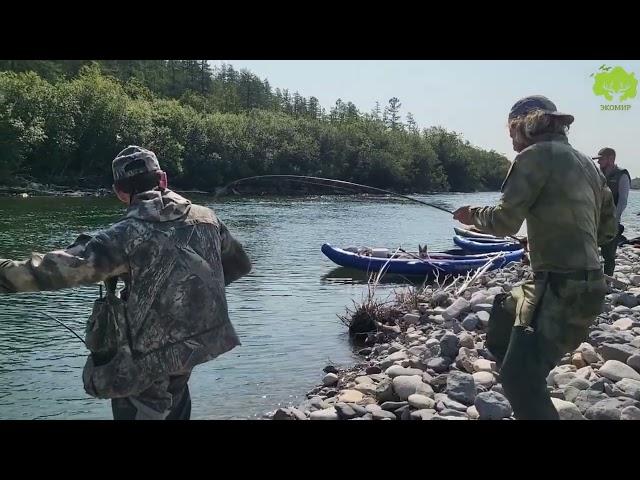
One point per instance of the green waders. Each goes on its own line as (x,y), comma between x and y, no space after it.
(533,326)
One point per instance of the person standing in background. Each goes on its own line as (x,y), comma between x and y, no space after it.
(619,182)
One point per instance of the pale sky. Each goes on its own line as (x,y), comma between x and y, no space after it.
(471,97)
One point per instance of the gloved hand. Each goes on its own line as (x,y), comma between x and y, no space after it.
(463,215)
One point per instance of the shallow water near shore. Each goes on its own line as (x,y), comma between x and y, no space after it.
(284,311)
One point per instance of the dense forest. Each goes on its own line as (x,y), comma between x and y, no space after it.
(63,121)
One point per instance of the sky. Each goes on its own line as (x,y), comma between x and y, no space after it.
(471,97)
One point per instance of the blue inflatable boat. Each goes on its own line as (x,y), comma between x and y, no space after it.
(450,263)
(463,232)
(486,245)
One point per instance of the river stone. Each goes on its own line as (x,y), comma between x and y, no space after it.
(372,407)
(588,353)
(560,369)
(326,414)
(470,322)
(599,337)
(585,373)
(404,386)
(569,393)
(440,299)
(385,392)
(485,379)
(421,401)
(443,402)
(438,364)
(567,410)
(634,362)
(613,391)
(363,379)
(350,396)
(578,361)
(438,417)
(411,318)
(426,378)
(383,414)
(630,413)
(378,377)
(366,388)
(461,387)
(630,388)
(403,413)
(447,412)
(346,412)
(466,340)
(397,371)
(290,413)
(457,308)
(368,416)
(615,370)
(316,403)
(417,351)
(449,345)
(478,297)
(624,323)
(562,379)
(617,351)
(579,383)
(492,406)
(393,358)
(424,414)
(482,365)
(391,406)
(483,314)
(432,348)
(635,342)
(330,379)
(609,409)
(588,398)
(625,300)
(466,358)
(599,384)
(472,412)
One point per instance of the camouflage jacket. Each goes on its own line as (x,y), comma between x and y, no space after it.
(564,198)
(175,258)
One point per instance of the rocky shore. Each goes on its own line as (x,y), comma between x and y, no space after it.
(427,360)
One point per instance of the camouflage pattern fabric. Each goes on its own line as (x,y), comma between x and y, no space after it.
(176,258)
(563,197)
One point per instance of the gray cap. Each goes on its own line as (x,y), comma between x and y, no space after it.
(605,152)
(133,161)
(536,102)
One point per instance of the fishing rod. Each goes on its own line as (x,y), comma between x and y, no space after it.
(307,180)
(55,319)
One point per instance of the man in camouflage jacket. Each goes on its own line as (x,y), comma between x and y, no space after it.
(569,212)
(175,259)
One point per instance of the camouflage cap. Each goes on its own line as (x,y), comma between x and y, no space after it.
(132,161)
(605,152)
(536,102)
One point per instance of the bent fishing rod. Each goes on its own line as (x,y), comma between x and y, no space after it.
(337,184)
(340,184)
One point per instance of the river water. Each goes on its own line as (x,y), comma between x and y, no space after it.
(285,311)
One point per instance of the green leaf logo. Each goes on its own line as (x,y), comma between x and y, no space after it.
(611,82)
